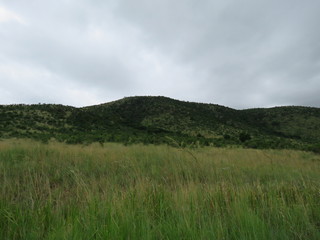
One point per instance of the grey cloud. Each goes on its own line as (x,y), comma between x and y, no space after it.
(70,56)
(237,53)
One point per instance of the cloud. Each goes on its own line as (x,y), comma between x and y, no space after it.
(7,16)
(244,50)
(241,54)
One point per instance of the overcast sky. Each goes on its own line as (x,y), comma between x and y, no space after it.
(237,53)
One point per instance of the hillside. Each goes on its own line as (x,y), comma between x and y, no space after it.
(164,120)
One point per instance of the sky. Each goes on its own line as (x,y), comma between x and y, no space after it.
(236,53)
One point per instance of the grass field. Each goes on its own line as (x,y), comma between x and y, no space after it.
(57,191)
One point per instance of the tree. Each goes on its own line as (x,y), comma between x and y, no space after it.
(244,136)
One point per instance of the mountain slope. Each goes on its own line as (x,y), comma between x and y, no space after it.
(291,122)
(164,120)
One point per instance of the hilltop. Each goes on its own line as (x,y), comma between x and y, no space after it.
(164,120)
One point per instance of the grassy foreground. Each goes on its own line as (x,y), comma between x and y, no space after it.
(58,191)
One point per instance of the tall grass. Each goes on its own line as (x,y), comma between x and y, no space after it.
(58,191)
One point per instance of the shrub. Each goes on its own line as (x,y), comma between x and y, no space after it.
(244,137)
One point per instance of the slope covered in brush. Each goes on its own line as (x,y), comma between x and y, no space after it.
(157,119)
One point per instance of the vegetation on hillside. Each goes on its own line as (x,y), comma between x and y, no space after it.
(159,120)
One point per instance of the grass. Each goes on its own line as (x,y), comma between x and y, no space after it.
(58,191)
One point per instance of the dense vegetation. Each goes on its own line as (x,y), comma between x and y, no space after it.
(59,191)
(159,120)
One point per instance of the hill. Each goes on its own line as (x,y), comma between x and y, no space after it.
(164,120)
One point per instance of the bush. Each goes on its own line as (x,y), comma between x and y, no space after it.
(315,148)
(244,137)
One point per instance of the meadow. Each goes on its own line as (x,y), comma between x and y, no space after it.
(59,191)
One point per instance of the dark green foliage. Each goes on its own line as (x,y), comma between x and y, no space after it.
(151,120)
(243,136)
(315,148)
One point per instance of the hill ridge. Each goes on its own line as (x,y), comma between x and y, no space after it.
(155,119)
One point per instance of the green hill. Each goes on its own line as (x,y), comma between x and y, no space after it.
(164,120)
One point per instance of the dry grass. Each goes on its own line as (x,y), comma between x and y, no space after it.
(59,191)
